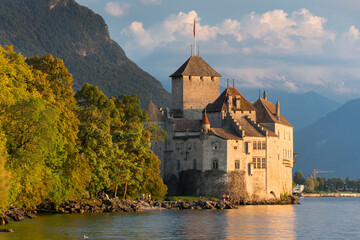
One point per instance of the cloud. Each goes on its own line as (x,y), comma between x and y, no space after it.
(276,31)
(147,2)
(116,9)
(292,51)
(273,32)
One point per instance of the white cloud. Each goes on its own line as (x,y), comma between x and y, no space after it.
(147,2)
(273,32)
(117,9)
(290,51)
(278,31)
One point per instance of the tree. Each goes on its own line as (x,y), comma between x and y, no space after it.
(95,137)
(299,178)
(310,185)
(4,175)
(56,88)
(322,183)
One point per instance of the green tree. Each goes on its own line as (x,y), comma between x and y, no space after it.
(322,183)
(95,135)
(54,82)
(4,175)
(310,185)
(299,178)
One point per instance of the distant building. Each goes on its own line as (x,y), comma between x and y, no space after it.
(221,143)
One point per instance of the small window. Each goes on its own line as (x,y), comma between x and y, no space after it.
(189,146)
(235,147)
(254,145)
(194,164)
(212,78)
(178,165)
(201,79)
(258,163)
(190,78)
(263,163)
(215,164)
(215,146)
(237,164)
(259,145)
(263,145)
(254,162)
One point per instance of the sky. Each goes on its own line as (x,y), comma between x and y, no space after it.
(291,45)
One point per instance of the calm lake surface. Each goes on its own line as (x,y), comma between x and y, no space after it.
(315,218)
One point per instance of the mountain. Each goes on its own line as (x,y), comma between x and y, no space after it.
(300,110)
(332,143)
(80,37)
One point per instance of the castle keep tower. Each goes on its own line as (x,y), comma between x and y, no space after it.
(194,85)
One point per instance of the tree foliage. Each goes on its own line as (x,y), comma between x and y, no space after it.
(57,146)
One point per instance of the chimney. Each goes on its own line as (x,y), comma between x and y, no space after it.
(205,124)
(238,102)
(265,95)
(229,103)
(278,110)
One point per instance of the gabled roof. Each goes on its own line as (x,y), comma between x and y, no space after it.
(195,66)
(220,103)
(187,125)
(266,113)
(154,113)
(228,134)
(176,113)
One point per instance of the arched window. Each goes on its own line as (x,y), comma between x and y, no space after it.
(237,164)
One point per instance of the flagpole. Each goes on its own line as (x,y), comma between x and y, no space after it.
(194,39)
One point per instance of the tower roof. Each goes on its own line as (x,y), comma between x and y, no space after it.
(266,113)
(154,113)
(205,120)
(220,103)
(195,66)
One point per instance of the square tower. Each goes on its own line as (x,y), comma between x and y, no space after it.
(194,85)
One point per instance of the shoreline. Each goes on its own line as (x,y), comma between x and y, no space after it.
(353,195)
(118,205)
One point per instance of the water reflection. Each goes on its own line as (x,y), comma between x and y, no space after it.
(262,222)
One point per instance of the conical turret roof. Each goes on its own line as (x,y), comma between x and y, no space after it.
(154,113)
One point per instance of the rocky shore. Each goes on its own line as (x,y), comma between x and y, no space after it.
(119,205)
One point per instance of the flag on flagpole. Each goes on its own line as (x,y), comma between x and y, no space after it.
(194,27)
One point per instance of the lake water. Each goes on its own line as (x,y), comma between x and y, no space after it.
(315,218)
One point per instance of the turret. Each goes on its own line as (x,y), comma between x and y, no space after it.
(205,124)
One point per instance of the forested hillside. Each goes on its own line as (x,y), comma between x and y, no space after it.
(79,37)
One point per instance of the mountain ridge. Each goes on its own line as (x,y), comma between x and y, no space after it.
(331,143)
(81,38)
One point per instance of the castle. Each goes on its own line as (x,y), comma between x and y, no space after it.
(221,143)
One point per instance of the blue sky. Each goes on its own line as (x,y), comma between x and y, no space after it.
(293,45)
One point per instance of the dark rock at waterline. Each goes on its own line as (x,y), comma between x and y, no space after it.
(3,219)
(18,214)
(47,206)
(6,230)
